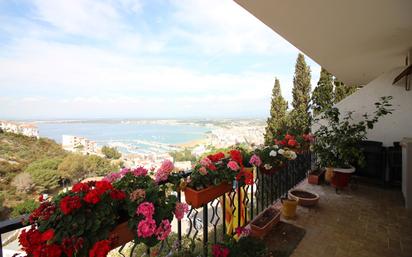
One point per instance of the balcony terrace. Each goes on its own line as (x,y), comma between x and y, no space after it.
(361,221)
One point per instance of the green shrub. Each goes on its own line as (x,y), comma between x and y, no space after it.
(183,155)
(111,152)
(96,165)
(25,207)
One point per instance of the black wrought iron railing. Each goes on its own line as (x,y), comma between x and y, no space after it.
(246,201)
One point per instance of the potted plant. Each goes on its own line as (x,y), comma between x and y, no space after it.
(273,158)
(92,218)
(213,175)
(264,222)
(316,176)
(337,141)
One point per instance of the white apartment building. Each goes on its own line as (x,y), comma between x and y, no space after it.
(79,144)
(26,129)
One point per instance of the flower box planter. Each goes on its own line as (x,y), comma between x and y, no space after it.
(121,235)
(316,177)
(197,198)
(304,198)
(341,177)
(264,222)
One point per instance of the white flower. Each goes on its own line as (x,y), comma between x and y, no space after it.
(293,155)
(276,146)
(267,166)
(273,153)
(281,151)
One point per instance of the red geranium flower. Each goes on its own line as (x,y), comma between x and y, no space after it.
(104,185)
(30,240)
(70,203)
(100,249)
(216,157)
(92,196)
(289,137)
(47,235)
(117,195)
(212,167)
(80,187)
(292,142)
(43,212)
(236,156)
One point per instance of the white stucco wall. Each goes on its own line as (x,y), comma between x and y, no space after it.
(390,128)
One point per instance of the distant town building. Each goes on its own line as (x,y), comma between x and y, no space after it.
(26,129)
(224,137)
(79,144)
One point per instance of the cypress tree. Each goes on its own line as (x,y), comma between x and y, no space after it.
(322,96)
(278,108)
(342,91)
(300,117)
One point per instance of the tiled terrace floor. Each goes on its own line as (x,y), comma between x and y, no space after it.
(365,222)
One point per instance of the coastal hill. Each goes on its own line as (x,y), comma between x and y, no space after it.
(31,166)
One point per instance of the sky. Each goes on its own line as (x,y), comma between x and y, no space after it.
(86,59)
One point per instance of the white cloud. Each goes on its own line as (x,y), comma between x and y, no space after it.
(224,26)
(44,76)
(80,17)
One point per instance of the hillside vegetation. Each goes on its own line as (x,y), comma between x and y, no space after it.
(30,166)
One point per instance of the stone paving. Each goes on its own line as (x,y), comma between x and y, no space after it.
(364,222)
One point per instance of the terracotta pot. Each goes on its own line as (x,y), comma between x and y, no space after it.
(342,177)
(316,177)
(289,207)
(121,235)
(272,170)
(304,197)
(196,198)
(260,230)
(329,174)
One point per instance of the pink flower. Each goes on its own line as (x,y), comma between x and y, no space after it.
(164,229)
(242,231)
(255,160)
(112,177)
(167,165)
(205,162)
(124,171)
(137,194)
(139,171)
(146,209)
(233,165)
(203,171)
(146,228)
(180,210)
(163,172)
(220,251)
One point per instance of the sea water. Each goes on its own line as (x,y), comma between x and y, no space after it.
(126,137)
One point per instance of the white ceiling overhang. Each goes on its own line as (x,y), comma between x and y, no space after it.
(356,40)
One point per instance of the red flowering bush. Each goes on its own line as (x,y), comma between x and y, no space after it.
(217,168)
(75,223)
(297,143)
(79,222)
